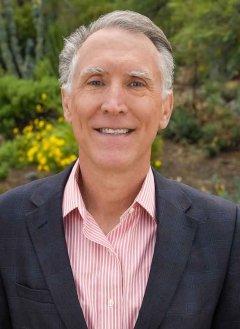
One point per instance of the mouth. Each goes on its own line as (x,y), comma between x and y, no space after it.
(115,131)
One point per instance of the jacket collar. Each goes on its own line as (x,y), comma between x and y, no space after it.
(45,226)
(175,234)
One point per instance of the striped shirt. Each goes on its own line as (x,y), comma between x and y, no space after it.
(110,270)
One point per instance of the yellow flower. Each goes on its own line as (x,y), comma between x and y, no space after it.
(29,135)
(15,131)
(41,124)
(38,137)
(39,167)
(57,153)
(27,129)
(45,144)
(49,127)
(60,142)
(39,109)
(36,122)
(72,158)
(60,119)
(44,96)
(46,168)
(157,163)
(42,161)
(31,152)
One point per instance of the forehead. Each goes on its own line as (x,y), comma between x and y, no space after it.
(116,48)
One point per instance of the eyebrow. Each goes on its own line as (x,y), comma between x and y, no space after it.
(140,74)
(98,70)
(91,70)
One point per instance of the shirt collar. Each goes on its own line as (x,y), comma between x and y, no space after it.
(146,196)
(72,197)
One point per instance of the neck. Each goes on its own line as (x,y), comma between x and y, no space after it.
(108,193)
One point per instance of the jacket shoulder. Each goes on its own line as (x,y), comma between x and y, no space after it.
(185,196)
(206,197)
(14,199)
(18,200)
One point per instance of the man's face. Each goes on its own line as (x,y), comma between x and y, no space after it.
(115,104)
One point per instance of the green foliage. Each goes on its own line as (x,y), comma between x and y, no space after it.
(25,100)
(221,135)
(43,68)
(184,126)
(236,196)
(21,36)
(9,153)
(9,157)
(207,37)
(219,118)
(157,152)
(213,126)
(4,171)
(48,145)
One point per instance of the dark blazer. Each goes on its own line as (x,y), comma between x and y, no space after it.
(194,282)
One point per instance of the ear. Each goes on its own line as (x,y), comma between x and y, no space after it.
(66,104)
(166,110)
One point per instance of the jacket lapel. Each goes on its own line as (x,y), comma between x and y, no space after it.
(175,234)
(45,225)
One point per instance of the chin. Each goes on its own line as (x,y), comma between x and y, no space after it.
(114,163)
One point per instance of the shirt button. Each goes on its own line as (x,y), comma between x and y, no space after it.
(110,302)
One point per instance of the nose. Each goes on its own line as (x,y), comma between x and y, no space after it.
(114,101)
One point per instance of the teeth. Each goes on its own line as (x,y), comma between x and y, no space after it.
(114,131)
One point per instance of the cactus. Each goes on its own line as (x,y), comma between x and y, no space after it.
(15,62)
(14,45)
(38,22)
(5,51)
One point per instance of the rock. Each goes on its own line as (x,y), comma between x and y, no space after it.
(31,176)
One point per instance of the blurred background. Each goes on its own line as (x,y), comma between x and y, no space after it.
(201,146)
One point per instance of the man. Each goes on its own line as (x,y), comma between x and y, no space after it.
(109,243)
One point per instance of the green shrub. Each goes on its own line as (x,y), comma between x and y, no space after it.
(43,68)
(24,100)
(183,126)
(48,145)
(222,132)
(10,153)
(156,152)
(236,196)
(4,170)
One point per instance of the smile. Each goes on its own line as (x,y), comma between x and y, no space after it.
(114,131)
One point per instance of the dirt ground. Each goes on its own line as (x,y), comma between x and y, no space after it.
(219,175)
(185,163)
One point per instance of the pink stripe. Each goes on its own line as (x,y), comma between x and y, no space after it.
(110,271)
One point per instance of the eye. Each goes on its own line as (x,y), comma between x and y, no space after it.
(136,83)
(95,83)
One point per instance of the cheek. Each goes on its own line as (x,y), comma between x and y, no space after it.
(148,112)
(86,105)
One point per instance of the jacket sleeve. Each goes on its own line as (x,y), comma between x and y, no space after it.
(4,311)
(227,314)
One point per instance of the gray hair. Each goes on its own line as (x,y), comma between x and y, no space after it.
(125,20)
